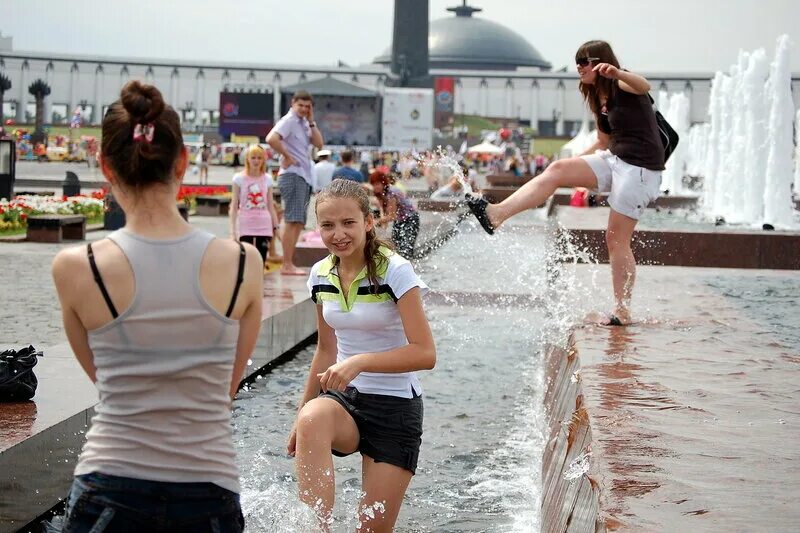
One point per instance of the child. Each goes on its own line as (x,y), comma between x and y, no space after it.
(166,349)
(252,206)
(362,392)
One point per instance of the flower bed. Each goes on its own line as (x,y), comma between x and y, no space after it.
(189,193)
(14,213)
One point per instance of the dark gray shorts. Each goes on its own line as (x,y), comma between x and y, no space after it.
(295,194)
(390,427)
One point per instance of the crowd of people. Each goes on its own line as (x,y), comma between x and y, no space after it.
(168,350)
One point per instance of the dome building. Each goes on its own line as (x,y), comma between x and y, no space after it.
(465,42)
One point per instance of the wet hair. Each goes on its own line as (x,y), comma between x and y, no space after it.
(302,95)
(341,188)
(140,164)
(255,149)
(347,156)
(591,92)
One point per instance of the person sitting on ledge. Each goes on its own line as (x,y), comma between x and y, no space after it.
(163,318)
(626,160)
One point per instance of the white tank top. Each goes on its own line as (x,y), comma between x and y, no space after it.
(164,370)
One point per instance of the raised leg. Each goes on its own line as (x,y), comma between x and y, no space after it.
(572,172)
(322,425)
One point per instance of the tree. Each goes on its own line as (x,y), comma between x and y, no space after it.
(5,85)
(39,90)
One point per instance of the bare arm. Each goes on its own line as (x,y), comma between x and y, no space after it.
(628,81)
(324,358)
(64,266)
(250,323)
(272,212)
(390,214)
(316,138)
(418,354)
(234,210)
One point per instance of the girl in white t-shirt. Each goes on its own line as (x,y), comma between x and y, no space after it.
(252,213)
(362,392)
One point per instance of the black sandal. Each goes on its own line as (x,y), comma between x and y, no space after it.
(477,204)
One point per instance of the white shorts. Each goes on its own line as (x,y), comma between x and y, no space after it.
(630,187)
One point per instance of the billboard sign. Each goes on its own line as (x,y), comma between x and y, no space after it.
(445,92)
(407,122)
(245,114)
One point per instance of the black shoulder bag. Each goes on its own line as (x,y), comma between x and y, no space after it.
(669,137)
(17,380)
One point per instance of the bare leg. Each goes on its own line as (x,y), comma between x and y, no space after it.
(572,172)
(322,425)
(291,232)
(384,486)
(623,264)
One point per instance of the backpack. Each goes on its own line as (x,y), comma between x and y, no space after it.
(669,137)
(17,380)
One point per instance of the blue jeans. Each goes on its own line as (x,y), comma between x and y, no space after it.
(102,503)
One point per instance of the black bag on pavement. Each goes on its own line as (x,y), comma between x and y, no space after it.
(669,137)
(17,380)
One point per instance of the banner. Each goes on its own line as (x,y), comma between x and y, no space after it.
(407,122)
(445,92)
(245,114)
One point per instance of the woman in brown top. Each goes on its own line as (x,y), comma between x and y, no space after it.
(626,161)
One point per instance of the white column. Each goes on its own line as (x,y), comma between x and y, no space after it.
(561,98)
(509,98)
(459,104)
(22,102)
(483,96)
(73,89)
(174,87)
(199,96)
(48,102)
(688,90)
(535,106)
(276,107)
(149,76)
(97,108)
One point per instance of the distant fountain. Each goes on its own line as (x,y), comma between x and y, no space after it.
(747,168)
(778,207)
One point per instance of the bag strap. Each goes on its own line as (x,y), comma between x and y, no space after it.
(99,280)
(239,280)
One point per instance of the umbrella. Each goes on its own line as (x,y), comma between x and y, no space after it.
(485,148)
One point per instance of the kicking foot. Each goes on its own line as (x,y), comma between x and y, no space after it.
(478,205)
(275,259)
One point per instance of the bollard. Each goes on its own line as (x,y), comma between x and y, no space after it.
(71,184)
(8,153)
(114,217)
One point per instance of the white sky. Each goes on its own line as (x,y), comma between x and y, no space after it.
(647,35)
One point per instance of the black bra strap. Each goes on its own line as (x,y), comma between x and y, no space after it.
(100,283)
(239,279)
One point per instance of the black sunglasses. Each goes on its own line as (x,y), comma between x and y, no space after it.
(585,61)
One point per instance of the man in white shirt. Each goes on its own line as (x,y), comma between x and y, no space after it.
(323,170)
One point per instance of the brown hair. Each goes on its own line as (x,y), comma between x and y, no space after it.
(302,95)
(347,156)
(140,164)
(374,259)
(602,86)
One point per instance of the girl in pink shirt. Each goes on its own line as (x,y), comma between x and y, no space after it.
(252,213)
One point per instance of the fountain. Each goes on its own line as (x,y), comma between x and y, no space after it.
(745,152)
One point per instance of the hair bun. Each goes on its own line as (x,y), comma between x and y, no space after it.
(143,103)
